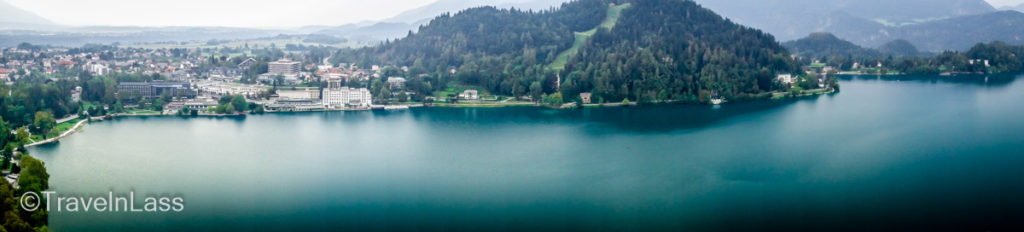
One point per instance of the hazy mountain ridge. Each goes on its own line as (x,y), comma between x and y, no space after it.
(792,19)
(1016,8)
(958,33)
(823,46)
(400,25)
(452,6)
(12,17)
(73,37)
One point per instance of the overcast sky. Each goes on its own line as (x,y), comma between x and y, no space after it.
(1001,3)
(233,13)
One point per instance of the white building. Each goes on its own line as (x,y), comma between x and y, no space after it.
(99,69)
(336,96)
(283,67)
(76,94)
(786,79)
(470,94)
(396,83)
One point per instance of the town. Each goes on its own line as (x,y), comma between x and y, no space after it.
(192,81)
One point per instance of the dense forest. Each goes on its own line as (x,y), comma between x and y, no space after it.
(903,57)
(671,50)
(676,50)
(829,49)
(900,48)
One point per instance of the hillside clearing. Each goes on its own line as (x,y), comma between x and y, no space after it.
(612,18)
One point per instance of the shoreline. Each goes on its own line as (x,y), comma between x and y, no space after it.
(79,125)
(62,135)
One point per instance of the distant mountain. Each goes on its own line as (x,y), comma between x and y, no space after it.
(822,46)
(791,19)
(1016,8)
(78,36)
(12,17)
(899,48)
(370,33)
(959,33)
(401,24)
(931,25)
(453,6)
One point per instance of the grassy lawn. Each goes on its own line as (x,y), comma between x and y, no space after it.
(581,37)
(458,89)
(88,104)
(61,128)
(141,111)
(781,95)
(485,105)
(56,131)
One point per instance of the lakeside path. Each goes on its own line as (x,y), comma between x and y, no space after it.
(54,139)
(505,103)
(69,118)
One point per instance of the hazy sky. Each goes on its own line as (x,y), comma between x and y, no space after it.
(1001,3)
(234,13)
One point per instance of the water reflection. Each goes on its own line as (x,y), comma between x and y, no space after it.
(879,156)
(642,119)
(992,80)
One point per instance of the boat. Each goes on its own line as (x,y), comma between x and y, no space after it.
(716,99)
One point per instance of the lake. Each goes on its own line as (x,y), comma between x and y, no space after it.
(886,153)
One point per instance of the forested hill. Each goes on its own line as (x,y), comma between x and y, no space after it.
(660,50)
(827,48)
(822,44)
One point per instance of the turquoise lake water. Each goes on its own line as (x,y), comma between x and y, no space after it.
(889,153)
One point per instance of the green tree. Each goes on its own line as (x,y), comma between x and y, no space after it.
(8,203)
(22,135)
(239,104)
(385,95)
(44,122)
(256,108)
(118,107)
(158,104)
(554,99)
(225,99)
(536,91)
(33,175)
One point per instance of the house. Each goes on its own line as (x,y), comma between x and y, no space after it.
(245,64)
(396,83)
(76,94)
(99,69)
(470,94)
(585,97)
(785,79)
